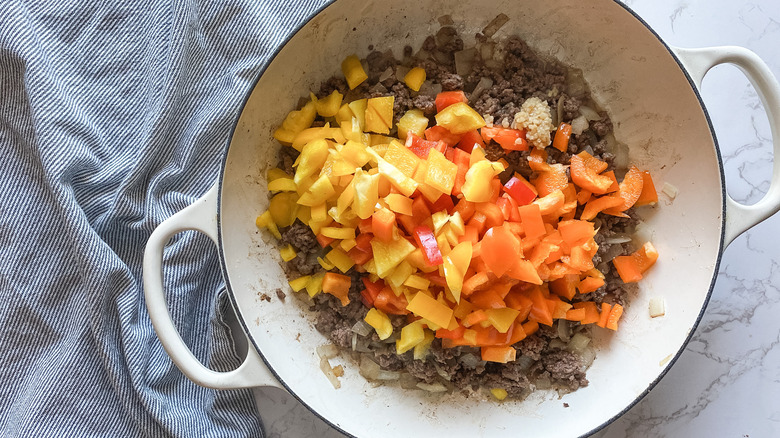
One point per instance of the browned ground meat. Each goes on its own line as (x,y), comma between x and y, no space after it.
(521,75)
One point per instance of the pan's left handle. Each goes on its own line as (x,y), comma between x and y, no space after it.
(740,217)
(200,216)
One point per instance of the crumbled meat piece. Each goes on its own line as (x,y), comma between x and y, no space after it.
(301,237)
(402,100)
(571,108)
(389,361)
(429,45)
(303,264)
(565,367)
(422,370)
(280,294)
(341,335)
(494,152)
(425,103)
(602,126)
(378,62)
(287,157)
(532,346)
(451,81)
(334,83)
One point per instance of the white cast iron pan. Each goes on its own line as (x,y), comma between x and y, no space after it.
(651,93)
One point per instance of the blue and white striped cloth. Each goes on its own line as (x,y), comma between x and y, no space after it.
(112,118)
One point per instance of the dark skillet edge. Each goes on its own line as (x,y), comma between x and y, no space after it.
(671,362)
(652,384)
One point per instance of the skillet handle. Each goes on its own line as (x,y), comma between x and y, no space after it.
(698,62)
(200,216)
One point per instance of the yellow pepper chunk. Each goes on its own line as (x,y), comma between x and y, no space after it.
(455,265)
(459,118)
(417,282)
(389,255)
(411,335)
(421,349)
(266,221)
(328,106)
(499,393)
(284,208)
(477,187)
(503,318)
(299,283)
(403,183)
(354,152)
(313,156)
(275,173)
(400,274)
(366,193)
(413,121)
(318,192)
(380,322)
(320,133)
(325,264)
(288,253)
(358,108)
(338,232)
(295,122)
(415,78)
(347,244)
(399,203)
(340,260)
(427,307)
(285,184)
(314,285)
(353,71)
(379,114)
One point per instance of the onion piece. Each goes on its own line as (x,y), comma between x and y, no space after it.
(587,357)
(670,190)
(563,330)
(444,375)
(464,61)
(617,239)
(388,375)
(361,328)
(578,125)
(657,307)
(483,85)
(386,74)
(470,361)
(578,343)
(428,88)
(543,383)
(559,111)
(328,371)
(400,72)
(408,381)
(494,25)
(612,252)
(354,341)
(621,155)
(432,387)
(446,20)
(368,368)
(327,351)
(589,113)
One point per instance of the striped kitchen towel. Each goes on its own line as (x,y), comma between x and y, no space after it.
(113,116)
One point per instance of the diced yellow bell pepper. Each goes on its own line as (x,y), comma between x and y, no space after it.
(358,108)
(457,225)
(399,203)
(347,244)
(477,187)
(421,349)
(477,154)
(441,172)
(353,132)
(502,318)
(344,115)
(427,307)
(370,267)
(284,208)
(401,182)
(499,393)
(299,283)
(459,118)
(340,260)
(411,335)
(366,188)
(379,114)
(450,235)
(470,336)
(285,184)
(462,309)
(328,106)
(402,158)
(319,213)
(376,139)
(417,282)
(335,165)
(314,285)
(338,232)
(266,221)
(455,265)
(313,156)
(325,264)
(444,248)
(416,259)
(345,198)
(304,214)
(380,322)
(431,194)
(440,218)
(295,122)
(319,192)
(400,274)
(319,133)
(413,121)
(354,152)
(415,78)
(388,255)
(275,173)
(287,253)
(353,71)
(316,225)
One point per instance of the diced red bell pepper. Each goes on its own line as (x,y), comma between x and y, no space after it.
(426,240)
(469,140)
(457,333)
(461,158)
(440,133)
(444,203)
(389,303)
(363,242)
(436,279)
(521,192)
(372,289)
(509,139)
(324,241)
(359,256)
(421,147)
(447,98)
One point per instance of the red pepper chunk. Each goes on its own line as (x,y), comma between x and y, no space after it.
(427,243)
(421,147)
(519,191)
(447,98)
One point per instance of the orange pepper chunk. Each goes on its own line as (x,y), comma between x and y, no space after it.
(584,175)
(561,139)
(614,316)
(500,249)
(648,196)
(337,285)
(629,192)
(551,180)
(498,354)
(631,267)
(599,205)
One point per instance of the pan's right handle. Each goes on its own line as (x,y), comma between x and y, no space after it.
(200,216)
(739,217)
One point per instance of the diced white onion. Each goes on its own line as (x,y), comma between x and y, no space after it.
(464,61)
(361,328)
(432,387)
(441,372)
(563,330)
(543,383)
(617,238)
(578,125)
(388,375)
(578,342)
(400,72)
(587,357)
(657,307)
(354,341)
(670,190)
(559,112)
(483,85)
(557,343)
(386,74)
(621,155)
(327,351)
(612,252)
(328,371)
(407,381)
(495,24)
(368,368)
(589,113)
(428,88)
(469,360)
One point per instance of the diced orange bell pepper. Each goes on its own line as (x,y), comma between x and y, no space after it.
(531,218)
(509,139)
(629,192)
(587,178)
(494,217)
(476,282)
(551,180)
(498,354)
(440,133)
(383,225)
(389,303)
(631,267)
(591,312)
(575,314)
(337,285)
(598,205)
(474,317)
(447,98)
(614,316)
(561,139)
(604,315)
(469,140)
(500,249)
(540,311)
(589,284)
(537,160)
(566,286)
(648,196)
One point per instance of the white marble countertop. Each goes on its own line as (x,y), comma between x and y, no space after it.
(727,382)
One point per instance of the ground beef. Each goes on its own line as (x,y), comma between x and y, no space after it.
(425,103)
(303,264)
(341,335)
(571,108)
(532,346)
(601,127)
(422,370)
(389,360)
(280,294)
(287,157)
(565,367)
(301,237)
(451,81)
(333,84)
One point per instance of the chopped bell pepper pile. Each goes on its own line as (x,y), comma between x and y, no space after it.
(441,240)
